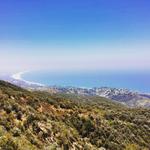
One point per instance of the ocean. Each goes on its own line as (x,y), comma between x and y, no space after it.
(136,81)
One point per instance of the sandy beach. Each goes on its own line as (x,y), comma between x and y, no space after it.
(18,76)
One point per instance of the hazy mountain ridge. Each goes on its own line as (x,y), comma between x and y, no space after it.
(127,97)
(42,121)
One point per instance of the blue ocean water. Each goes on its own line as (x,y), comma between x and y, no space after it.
(137,81)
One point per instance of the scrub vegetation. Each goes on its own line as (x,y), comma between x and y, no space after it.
(43,121)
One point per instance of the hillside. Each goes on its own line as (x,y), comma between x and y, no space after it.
(123,96)
(40,121)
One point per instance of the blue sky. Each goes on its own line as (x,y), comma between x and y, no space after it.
(74,35)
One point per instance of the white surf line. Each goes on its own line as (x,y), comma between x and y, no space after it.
(18,76)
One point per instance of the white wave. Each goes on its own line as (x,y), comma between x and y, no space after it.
(18,76)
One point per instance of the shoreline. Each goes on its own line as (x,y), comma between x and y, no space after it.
(18,76)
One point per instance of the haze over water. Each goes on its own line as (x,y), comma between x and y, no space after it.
(135,81)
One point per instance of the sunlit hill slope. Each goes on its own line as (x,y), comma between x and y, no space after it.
(43,121)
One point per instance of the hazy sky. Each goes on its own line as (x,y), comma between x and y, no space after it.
(74,35)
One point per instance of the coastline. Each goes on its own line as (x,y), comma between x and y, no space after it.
(18,76)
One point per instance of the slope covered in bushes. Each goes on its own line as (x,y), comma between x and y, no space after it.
(40,121)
